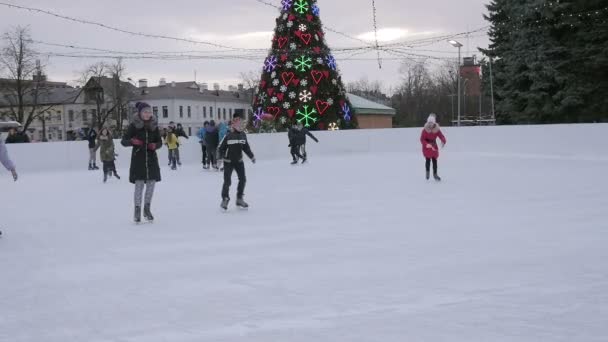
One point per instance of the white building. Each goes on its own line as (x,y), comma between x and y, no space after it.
(191,104)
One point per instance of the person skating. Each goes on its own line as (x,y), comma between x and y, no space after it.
(107,154)
(201,138)
(430,150)
(16,136)
(7,162)
(179,132)
(292,134)
(92,139)
(301,140)
(212,140)
(231,151)
(144,136)
(172,144)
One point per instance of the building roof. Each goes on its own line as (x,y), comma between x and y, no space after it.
(367,107)
(52,96)
(187,91)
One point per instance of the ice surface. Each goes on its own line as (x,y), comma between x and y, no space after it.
(354,247)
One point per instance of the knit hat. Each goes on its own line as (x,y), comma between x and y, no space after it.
(432,118)
(141,106)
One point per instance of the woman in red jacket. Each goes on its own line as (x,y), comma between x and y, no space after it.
(428,139)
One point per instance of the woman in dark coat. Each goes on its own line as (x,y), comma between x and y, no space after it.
(144,136)
(212,140)
(107,154)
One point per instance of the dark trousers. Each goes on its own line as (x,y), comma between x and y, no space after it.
(109,166)
(295,152)
(173,158)
(240,171)
(204,154)
(428,165)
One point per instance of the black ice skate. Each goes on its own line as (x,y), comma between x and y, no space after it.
(105,177)
(137,215)
(224,204)
(428,175)
(294,162)
(147,213)
(437,178)
(241,203)
(116,175)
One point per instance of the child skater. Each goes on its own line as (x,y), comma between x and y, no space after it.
(430,150)
(107,154)
(231,150)
(144,136)
(172,143)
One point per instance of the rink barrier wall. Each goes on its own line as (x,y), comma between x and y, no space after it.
(556,141)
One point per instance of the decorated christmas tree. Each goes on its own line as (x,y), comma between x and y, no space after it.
(300,80)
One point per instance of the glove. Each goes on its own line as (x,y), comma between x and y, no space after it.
(253,160)
(442,145)
(136,142)
(289,145)
(429,146)
(151,147)
(15,175)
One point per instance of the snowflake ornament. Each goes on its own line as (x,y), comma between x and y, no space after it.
(286,5)
(292,95)
(275,82)
(316,37)
(285,16)
(334,81)
(274,74)
(293,46)
(303,63)
(271,63)
(283,88)
(331,62)
(320,61)
(263,97)
(330,102)
(305,96)
(257,116)
(281,28)
(257,90)
(304,82)
(286,105)
(289,65)
(316,10)
(303,27)
(346,110)
(301,6)
(306,115)
(290,24)
(274,99)
(283,120)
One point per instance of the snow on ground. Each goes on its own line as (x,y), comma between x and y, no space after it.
(353,248)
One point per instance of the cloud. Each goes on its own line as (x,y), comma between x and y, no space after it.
(391,34)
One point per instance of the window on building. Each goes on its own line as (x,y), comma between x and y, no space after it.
(230,113)
(85,116)
(165,112)
(224,113)
(60,135)
(50,137)
(94,115)
(155,111)
(189,112)
(189,131)
(71,115)
(204,112)
(181,111)
(211,112)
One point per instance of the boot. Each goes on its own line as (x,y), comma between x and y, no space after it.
(225,202)
(294,162)
(241,203)
(147,213)
(90,166)
(116,175)
(105,177)
(95,166)
(437,178)
(137,215)
(428,175)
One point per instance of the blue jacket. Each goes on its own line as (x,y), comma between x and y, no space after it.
(223,130)
(201,135)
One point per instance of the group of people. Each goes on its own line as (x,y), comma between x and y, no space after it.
(210,137)
(230,142)
(171,137)
(144,136)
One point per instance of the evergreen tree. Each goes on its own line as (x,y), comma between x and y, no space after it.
(300,81)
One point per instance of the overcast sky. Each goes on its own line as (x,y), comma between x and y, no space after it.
(238,23)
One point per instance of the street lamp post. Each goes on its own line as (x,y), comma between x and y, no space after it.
(457,45)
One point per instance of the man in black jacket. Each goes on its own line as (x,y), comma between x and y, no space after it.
(231,150)
(297,142)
